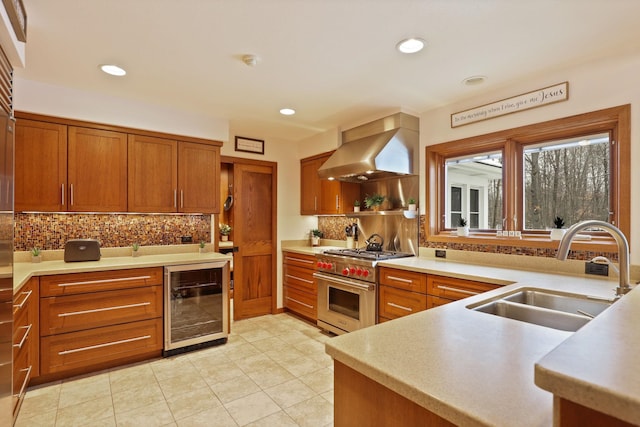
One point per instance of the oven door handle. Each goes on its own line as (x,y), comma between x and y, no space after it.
(364,286)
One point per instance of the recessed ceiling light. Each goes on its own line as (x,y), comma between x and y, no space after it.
(474,80)
(287,111)
(114,70)
(411,45)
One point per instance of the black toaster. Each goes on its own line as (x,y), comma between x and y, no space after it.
(76,250)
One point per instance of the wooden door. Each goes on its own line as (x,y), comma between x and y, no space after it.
(97,170)
(198,178)
(254,265)
(153,174)
(40,166)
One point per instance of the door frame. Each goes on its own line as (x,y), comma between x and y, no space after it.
(274,214)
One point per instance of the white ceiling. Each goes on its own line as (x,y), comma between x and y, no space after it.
(334,61)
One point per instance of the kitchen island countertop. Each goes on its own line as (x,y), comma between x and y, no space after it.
(474,368)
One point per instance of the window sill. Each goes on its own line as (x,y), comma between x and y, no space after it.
(597,243)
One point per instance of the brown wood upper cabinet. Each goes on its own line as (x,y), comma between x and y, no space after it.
(69,165)
(173,176)
(321,196)
(69,168)
(41,166)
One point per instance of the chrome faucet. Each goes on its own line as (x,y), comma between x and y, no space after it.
(623,249)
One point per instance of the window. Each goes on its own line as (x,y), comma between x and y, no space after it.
(469,178)
(568,178)
(520,179)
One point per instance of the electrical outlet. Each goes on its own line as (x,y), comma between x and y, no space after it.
(186,239)
(440,253)
(596,268)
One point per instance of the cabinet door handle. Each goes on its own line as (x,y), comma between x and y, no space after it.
(399,279)
(401,307)
(299,302)
(24,301)
(71,196)
(315,203)
(107,344)
(62,193)
(300,278)
(462,291)
(175,198)
(25,382)
(24,337)
(96,282)
(306,261)
(98,310)
(337,203)
(181,198)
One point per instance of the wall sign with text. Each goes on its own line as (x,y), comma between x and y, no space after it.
(537,98)
(249,145)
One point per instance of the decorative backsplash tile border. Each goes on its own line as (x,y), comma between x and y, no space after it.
(333,228)
(51,231)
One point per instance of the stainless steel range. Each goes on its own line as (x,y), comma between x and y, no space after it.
(347,280)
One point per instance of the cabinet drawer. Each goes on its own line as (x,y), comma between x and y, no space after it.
(409,280)
(22,301)
(95,346)
(23,329)
(455,289)
(299,278)
(299,260)
(433,302)
(79,283)
(394,303)
(21,373)
(71,313)
(302,303)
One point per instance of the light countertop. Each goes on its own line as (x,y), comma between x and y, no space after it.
(475,368)
(23,271)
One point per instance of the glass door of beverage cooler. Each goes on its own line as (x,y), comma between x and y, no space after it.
(196,306)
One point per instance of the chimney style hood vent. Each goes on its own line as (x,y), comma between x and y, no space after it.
(390,151)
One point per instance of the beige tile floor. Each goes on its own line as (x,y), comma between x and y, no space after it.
(273,371)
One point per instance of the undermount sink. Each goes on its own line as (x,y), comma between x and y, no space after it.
(567,312)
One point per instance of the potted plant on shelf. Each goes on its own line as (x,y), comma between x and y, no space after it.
(412,204)
(225,230)
(557,232)
(463,229)
(315,237)
(356,206)
(201,247)
(134,249)
(36,255)
(374,201)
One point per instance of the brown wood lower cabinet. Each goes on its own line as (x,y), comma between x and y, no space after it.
(361,401)
(396,303)
(403,292)
(300,291)
(25,340)
(443,290)
(90,321)
(96,346)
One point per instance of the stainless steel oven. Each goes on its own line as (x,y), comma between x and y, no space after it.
(344,304)
(347,280)
(196,306)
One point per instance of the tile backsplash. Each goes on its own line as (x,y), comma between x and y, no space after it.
(51,231)
(333,228)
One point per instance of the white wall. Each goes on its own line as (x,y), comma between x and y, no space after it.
(592,87)
(42,98)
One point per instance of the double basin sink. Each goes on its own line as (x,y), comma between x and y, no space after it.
(558,310)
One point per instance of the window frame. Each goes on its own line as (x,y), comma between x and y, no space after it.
(511,142)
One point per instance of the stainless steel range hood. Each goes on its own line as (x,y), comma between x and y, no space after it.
(381,149)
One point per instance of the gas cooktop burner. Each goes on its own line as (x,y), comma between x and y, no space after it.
(364,254)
